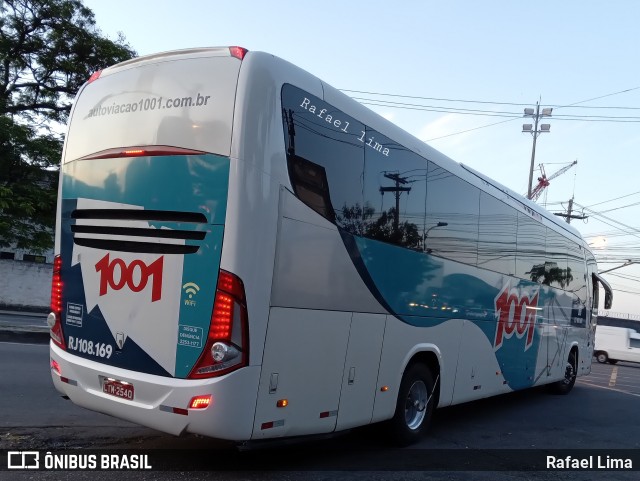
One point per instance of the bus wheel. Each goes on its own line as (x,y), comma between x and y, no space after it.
(602,357)
(414,407)
(571,372)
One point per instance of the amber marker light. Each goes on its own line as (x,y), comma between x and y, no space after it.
(282,403)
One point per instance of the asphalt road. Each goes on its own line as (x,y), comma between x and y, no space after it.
(600,413)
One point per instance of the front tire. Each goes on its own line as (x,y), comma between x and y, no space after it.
(414,407)
(602,357)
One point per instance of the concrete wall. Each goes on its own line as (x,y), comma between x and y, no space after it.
(25,285)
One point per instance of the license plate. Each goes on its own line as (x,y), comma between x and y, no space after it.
(119,389)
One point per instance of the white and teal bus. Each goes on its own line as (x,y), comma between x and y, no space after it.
(244,252)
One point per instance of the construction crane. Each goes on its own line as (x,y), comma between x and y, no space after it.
(544,181)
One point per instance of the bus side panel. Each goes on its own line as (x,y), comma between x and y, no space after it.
(258,169)
(360,379)
(479,374)
(304,358)
(401,342)
(313,269)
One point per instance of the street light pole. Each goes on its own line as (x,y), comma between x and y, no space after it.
(534,131)
(426,233)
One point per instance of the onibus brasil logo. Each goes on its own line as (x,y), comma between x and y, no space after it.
(516,314)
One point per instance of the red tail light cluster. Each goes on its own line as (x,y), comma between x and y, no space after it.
(227,347)
(55,317)
(238,52)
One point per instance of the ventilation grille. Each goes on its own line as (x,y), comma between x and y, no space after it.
(115,235)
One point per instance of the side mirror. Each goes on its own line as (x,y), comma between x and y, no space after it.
(608,292)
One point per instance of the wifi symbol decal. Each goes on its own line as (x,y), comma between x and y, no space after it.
(191,288)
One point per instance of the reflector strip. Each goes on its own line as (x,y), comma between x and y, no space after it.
(328,414)
(171,409)
(69,381)
(272,424)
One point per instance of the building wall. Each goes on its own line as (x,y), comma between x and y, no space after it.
(25,285)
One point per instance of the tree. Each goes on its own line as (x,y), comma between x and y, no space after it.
(359,220)
(48,49)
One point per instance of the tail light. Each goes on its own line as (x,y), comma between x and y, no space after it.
(94,76)
(227,347)
(238,52)
(54,320)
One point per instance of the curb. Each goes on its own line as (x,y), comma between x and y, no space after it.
(7,334)
(15,331)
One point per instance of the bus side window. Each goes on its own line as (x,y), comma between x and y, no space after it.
(310,184)
(395,184)
(325,157)
(530,255)
(497,235)
(453,207)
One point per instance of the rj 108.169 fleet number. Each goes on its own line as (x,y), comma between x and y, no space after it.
(98,349)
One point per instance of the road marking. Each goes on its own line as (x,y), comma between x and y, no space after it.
(614,376)
(610,389)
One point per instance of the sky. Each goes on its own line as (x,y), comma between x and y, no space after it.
(492,58)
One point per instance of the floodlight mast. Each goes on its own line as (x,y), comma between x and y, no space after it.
(534,131)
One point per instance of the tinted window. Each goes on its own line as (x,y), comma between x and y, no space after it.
(556,273)
(451,228)
(497,235)
(530,255)
(577,271)
(394,192)
(325,157)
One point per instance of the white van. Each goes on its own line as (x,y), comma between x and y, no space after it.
(615,344)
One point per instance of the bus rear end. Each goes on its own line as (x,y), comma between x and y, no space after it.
(145,325)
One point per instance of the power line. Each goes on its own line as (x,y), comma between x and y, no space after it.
(617,198)
(470,130)
(441,99)
(621,207)
(494,103)
(493,113)
(432,98)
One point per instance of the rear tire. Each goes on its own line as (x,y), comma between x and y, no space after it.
(602,357)
(414,407)
(571,372)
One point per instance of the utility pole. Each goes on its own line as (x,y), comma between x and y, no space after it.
(534,131)
(397,190)
(568,214)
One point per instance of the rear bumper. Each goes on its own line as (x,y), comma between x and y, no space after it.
(229,416)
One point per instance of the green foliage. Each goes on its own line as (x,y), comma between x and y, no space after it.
(48,49)
(358,220)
